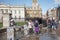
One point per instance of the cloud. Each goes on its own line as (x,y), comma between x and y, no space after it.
(57,1)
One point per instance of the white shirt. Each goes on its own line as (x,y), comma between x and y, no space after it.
(29,25)
(25,27)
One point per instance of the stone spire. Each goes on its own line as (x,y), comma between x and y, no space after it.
(34,1)
(35,4)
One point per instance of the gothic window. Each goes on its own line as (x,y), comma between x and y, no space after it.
(35,1)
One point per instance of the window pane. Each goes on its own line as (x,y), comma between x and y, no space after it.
(19,11)
(15,11)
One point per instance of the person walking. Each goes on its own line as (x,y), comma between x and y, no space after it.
(30,27)
(49,25)
(36,27)
(25,29)
(12,22)
(53,25)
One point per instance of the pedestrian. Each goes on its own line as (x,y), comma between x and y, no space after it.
(36,27)
(53,25)
(49,25)
(40,28)
(11,22)
(26,29)
(30,26)
(22,30)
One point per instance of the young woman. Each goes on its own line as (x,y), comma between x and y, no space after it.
(36,27)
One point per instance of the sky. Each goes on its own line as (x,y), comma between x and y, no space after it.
(44,4)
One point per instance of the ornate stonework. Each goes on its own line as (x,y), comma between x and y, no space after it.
(21,12)
(34,11)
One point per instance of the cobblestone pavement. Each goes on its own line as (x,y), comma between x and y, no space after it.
(20,36)
(3,36)
(31,37)
(54,35)
(48,36)
(42,36)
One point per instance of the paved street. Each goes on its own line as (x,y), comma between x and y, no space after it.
(3,36)
(44,36)
(47,36)
(29,19)
(19,35)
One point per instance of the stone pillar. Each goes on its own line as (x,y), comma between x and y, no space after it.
(10,33)
(6,22)
(0,15)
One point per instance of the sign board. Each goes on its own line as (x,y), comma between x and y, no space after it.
(10,33)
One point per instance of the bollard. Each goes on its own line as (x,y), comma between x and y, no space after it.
(10,33)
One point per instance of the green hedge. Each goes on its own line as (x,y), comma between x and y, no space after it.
(20,23)
(1,24)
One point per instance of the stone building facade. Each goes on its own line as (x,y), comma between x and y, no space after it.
(54,13)
(58,13)
(18,12)
(34,11)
